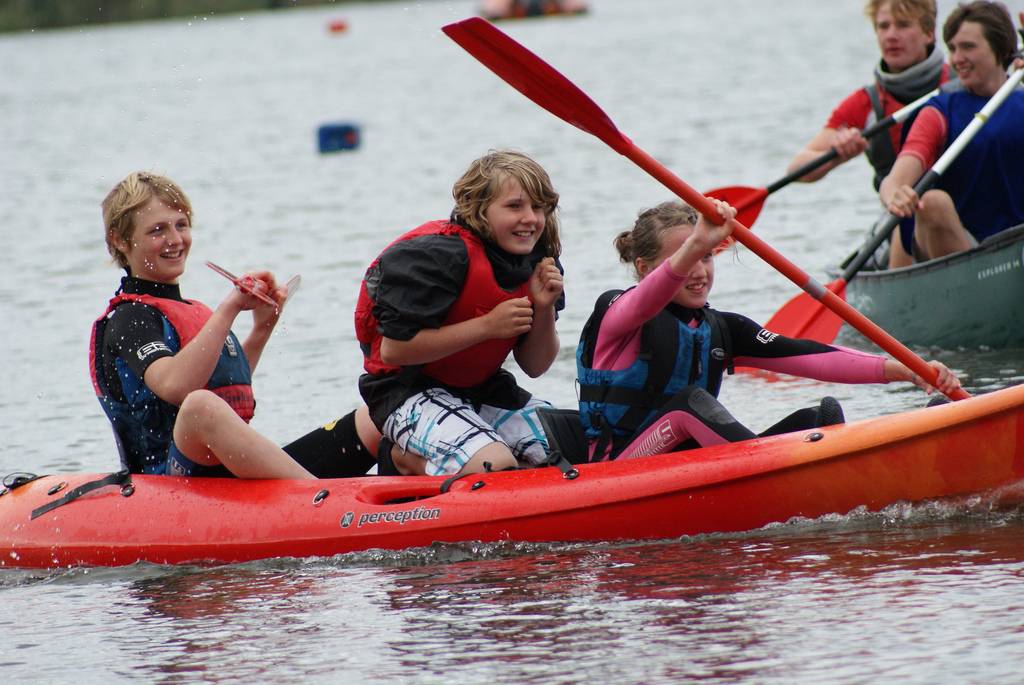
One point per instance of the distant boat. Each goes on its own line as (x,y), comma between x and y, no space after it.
(495,10)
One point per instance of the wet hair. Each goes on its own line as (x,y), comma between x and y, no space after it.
(481,183)
(921,11)
(645,239)
(996,25)
(121,203)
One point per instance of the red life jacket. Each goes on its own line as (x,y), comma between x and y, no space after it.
(231,379)
(480,294)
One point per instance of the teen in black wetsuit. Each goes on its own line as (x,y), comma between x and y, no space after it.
(169,373)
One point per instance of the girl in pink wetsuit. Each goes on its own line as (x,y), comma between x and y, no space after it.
(651,359)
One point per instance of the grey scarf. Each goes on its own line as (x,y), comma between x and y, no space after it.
(912,83)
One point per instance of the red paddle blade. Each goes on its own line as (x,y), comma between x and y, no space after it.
(805,317)
(241,284)
(534,78)
(747,201)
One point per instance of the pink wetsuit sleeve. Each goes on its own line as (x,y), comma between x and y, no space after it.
(926,137)
(844,365)
(618,340)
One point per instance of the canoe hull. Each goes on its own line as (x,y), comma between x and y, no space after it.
(955,449)
(972,299)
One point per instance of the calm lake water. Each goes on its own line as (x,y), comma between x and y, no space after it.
(721,92)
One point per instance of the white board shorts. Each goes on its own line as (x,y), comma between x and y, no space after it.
(447,431)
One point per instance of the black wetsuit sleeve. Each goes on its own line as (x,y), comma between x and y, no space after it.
(416,283)
(750,339)
(135,333)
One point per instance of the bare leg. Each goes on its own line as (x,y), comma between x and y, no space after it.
(497,453)
(938,228)
(408,463)
(897,255)
(368,433)
(209,432)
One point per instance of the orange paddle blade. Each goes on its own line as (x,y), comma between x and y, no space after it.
(805,317)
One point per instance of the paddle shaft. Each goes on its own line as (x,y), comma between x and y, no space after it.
(869,132)
(932,176)
(544,85)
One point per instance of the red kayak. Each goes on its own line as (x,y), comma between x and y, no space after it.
(971,446)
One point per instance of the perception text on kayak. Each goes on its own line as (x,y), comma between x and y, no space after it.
(399,517)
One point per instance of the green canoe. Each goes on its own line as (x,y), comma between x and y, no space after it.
(969,299)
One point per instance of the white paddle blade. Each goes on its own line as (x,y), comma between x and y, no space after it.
(291,287)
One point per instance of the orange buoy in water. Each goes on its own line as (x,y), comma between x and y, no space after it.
(337,26)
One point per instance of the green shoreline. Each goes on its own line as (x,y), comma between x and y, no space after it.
(34,15)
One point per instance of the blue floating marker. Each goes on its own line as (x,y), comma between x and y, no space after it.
(337,137)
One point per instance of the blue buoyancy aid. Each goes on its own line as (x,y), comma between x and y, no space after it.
(617,405)
(143,423)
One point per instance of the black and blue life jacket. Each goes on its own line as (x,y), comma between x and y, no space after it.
(143,423)
(617,405)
